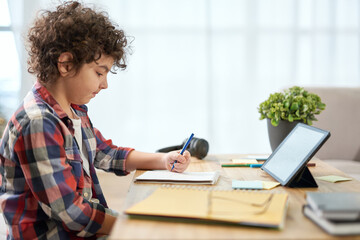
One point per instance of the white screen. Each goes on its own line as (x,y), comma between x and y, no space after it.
(293,151)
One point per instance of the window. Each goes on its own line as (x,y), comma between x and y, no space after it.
(9,64)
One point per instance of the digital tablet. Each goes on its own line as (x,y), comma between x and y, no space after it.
(288,162)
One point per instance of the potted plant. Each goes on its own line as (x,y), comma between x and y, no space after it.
(283,110)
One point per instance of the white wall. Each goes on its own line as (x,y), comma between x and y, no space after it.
(204,66)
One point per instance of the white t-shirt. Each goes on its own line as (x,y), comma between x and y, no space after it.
(80,142)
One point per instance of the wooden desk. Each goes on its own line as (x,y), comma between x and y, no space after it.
(297,226)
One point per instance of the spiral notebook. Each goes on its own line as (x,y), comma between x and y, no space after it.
(220,206)
(165,176)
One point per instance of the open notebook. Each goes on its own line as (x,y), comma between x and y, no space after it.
(235,207)
(165,176)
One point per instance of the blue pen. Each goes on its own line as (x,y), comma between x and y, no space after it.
(183,149)
(255,165)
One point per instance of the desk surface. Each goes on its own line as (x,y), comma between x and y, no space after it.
(297,226)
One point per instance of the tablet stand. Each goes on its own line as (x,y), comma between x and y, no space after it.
(304,179)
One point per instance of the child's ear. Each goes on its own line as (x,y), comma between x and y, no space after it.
(65,63)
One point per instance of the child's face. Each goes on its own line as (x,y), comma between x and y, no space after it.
(89,81)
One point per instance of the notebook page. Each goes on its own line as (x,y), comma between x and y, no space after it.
(185,177)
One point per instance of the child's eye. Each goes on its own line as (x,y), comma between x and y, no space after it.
(99,74)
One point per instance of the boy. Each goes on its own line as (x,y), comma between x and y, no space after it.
(48,184)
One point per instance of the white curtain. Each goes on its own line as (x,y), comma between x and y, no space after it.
(204,66)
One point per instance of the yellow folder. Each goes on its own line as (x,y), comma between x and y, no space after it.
(228,206)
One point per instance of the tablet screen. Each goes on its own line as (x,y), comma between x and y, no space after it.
(294,152)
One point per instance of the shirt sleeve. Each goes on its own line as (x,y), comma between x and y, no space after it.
(110,157)
(51,180)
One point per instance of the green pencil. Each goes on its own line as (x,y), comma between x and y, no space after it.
(235,165)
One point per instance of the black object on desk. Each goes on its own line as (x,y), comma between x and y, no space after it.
(198,148)
(287,164)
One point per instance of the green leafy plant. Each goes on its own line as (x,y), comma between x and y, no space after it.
(293,104)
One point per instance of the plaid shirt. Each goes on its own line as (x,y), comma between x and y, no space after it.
(41,173)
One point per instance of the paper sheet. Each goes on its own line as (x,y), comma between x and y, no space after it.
(237,184)
(269,184)
(333,178)
(247,184)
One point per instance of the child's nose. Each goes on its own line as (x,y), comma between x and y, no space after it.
(104,84)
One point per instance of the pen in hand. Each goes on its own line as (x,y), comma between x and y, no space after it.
(183,149)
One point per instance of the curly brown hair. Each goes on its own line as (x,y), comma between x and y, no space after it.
(77,29)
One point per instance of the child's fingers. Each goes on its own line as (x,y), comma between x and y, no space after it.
(181,161)
(183,158)
(187,154)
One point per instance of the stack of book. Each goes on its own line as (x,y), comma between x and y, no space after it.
(338,213)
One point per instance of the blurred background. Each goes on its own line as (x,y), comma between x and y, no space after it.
(200,66)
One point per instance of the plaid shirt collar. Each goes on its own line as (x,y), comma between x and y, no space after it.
(43,94)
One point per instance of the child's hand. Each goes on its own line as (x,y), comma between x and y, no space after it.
(182,163)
